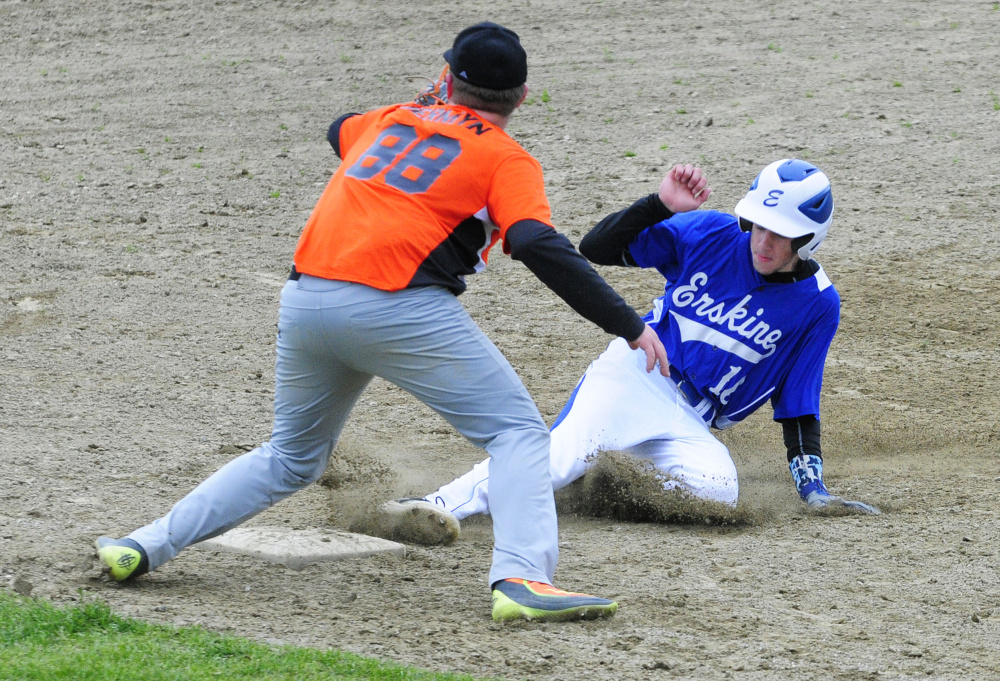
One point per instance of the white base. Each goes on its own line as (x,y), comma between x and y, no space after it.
(297,548)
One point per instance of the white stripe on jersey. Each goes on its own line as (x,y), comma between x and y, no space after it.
(483,215)
(822,281)
(695,331)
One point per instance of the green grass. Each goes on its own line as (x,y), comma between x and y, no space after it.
(87,642)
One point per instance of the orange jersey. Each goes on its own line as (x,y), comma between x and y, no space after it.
(422,194)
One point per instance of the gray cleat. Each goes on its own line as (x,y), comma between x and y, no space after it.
(418,521)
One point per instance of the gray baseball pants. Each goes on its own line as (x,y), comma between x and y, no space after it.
(333,337)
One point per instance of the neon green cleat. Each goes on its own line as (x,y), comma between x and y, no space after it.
(521,599)
(123,558)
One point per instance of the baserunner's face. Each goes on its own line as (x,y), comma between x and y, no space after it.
(771,252)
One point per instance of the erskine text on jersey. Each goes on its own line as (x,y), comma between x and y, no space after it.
(704,306)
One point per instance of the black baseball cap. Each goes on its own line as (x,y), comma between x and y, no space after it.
(488,55)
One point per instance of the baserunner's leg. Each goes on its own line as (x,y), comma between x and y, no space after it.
(616,405)
(469,494)
(693,463)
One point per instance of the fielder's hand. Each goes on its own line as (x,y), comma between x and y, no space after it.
(655,352)
(684,188)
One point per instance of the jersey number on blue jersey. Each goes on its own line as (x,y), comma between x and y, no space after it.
(721,391)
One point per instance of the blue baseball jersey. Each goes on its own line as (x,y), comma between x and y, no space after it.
(737,340)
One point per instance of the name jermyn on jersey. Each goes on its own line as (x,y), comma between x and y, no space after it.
(438,114)
(737,318)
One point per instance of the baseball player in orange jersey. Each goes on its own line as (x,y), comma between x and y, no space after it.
(422,194)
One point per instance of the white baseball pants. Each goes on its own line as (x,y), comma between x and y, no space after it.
(618,406)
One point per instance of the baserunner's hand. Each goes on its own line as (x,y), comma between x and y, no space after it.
(819,500)
(684,188)
(655,352)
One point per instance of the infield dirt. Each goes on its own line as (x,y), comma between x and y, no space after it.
(160,158)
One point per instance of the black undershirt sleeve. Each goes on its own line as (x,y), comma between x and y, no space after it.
(607,243)
(551,257)
(333,134)
(801,436)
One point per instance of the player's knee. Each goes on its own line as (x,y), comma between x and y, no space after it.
(716,488)
(725,490)
(723,478)
(301,468)
(711,476)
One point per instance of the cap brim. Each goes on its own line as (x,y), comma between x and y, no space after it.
(770,220)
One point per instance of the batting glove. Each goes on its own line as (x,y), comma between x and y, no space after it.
(807,472)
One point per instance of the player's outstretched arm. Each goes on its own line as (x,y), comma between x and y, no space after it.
(551,257)
(684,188)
